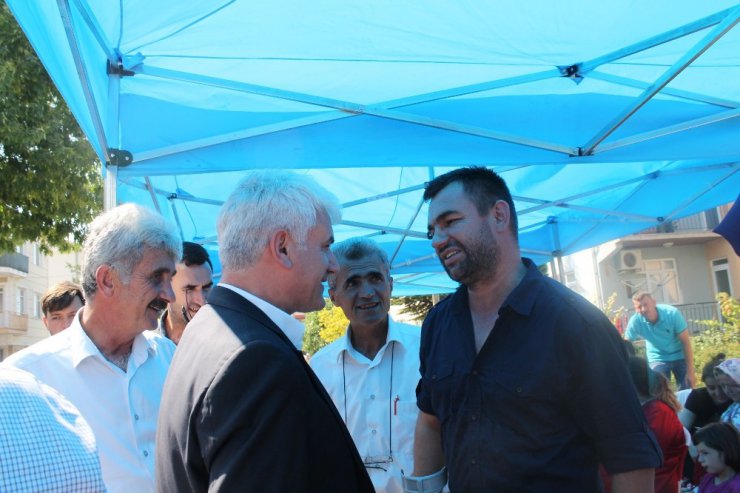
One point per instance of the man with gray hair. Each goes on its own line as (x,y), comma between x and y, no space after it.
(371,373)
(241,409)
(108,363)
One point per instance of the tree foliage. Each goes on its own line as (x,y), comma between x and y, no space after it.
(415,306)
(720,336)
(50,186)
(323,327)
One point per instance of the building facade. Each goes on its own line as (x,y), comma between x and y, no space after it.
(25,275)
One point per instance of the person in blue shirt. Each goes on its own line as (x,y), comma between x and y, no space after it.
(524,384)
(667,340)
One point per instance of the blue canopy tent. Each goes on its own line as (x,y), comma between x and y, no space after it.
(604,118)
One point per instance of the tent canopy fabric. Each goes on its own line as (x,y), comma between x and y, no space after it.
(605,118)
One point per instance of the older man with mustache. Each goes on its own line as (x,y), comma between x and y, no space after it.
(107,363)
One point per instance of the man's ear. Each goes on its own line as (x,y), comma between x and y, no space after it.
(331,294)
(501,214)
(279,245)
(106,277)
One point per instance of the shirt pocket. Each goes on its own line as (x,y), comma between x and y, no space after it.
(445,388)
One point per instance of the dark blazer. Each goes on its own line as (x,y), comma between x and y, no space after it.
(242,411)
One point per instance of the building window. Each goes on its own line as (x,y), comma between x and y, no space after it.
(20,301)
(36,305)
(36,254)
(2,301)
(721,275)
(662,280)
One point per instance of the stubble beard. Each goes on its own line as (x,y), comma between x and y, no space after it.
(481,259)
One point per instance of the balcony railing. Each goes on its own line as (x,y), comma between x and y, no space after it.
(14,260)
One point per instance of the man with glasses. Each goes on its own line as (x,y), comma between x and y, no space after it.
(371,373)
(192,282)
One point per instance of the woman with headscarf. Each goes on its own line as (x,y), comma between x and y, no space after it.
(728,376)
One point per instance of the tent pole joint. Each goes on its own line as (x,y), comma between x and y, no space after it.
(573,72)
(119,157)
(118,69)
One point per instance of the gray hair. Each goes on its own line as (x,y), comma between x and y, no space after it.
(120,237)
(263,203)
(357,248)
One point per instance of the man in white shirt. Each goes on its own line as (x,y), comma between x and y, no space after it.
(241,409)
(108,363)
(371,373)
(192,282)
(45,445)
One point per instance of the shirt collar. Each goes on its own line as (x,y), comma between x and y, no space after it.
(292,328)
(521,299)
(394,335)
(82,347)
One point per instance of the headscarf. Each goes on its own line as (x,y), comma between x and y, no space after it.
(731,368)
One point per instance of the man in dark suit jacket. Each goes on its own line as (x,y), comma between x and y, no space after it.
(241,409)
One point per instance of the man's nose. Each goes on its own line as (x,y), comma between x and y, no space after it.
(333,266)
(167,293)
(439,238)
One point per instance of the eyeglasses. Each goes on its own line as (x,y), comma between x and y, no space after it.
(381,462)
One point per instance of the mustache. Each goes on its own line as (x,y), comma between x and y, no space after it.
(159,304)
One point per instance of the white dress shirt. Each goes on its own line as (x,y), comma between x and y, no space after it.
(292,328)
(361,390)
(45,445)
(121,407)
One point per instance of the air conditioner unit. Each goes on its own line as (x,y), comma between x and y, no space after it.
(630,260)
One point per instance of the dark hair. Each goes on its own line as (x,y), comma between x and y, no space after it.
(708,370)
(650,383)
(482,186)
(60,296)
(722,437)
(195,254)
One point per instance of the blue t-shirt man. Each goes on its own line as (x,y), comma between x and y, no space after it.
(667,341)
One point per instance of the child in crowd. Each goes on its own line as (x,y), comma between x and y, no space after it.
(718,445)
(703,406)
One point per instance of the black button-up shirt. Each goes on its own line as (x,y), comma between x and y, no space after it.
(546,400)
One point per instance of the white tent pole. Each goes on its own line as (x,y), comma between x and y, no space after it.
(152,194)
(671,129)
(86,87)
(668,91)
(408,229)
(356,109)
(654,41)
(94,26)
(663,80)
(387,229)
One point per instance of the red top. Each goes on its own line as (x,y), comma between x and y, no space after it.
(669,432)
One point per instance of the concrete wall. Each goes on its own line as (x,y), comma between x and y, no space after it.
(720,248)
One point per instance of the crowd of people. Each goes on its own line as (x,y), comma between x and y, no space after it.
(154,379)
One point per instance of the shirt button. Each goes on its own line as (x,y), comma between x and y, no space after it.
(473,417)
(472,461)
(475,372)
(146,454)
(136,417)
(372,396)
(518,390)
(374,432)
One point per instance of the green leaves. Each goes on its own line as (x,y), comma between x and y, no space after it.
(50,183)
